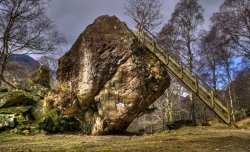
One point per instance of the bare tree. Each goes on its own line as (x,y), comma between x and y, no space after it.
(226,61)
(50,61)
(233,19)
(146,13)
(166,102)
(208,57)
(241,85)
(185,23)
(24,29)
(223,56)
(169,37)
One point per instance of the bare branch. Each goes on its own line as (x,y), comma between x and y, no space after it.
(146,13)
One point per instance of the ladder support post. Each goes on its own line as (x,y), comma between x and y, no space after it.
(230,115)
(196,84)
(229,118)
(212,98)
(154,45)
(181,72)
(167,58)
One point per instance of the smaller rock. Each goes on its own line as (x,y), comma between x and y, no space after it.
(53,122)
(26,132)
(15,131)
(16,98)
(42,77)
(4,90)
(39,90)
(7,120)
(23,84)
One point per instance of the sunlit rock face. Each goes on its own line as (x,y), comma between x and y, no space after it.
(108,78)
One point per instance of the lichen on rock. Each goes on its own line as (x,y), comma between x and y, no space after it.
(7,120)
(51,120)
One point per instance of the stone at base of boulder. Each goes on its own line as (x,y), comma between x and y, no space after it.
(7,120)
(26,129)
(3,89)
(52,121)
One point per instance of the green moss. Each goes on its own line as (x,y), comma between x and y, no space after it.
(86,128)
(52,121)
(15,131)
(26,132)
(21,127)
(49,120)
(39,90)
(16,98)
(15,110)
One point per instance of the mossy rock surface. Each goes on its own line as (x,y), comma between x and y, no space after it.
(52,121)
(15,110)
(39,90)
(17,98)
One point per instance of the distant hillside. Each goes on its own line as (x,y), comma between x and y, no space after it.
(20,66)
(24,60)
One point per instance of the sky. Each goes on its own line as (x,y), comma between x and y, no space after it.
(73,16)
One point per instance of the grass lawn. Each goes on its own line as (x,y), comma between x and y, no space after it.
(200,139)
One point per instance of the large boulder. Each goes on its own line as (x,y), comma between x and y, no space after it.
(107,78)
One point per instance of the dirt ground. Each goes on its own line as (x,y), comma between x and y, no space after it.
(188,139)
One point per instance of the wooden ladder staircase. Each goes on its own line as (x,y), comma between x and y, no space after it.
(191,81)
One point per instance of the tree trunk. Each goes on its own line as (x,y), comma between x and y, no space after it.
(165,114)
(193,111)
(214,76)
(5,52)
(190,66)
(230,92)
(170,113)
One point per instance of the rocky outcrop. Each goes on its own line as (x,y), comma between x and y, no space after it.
(15,110)
(107,78)
(18,107)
